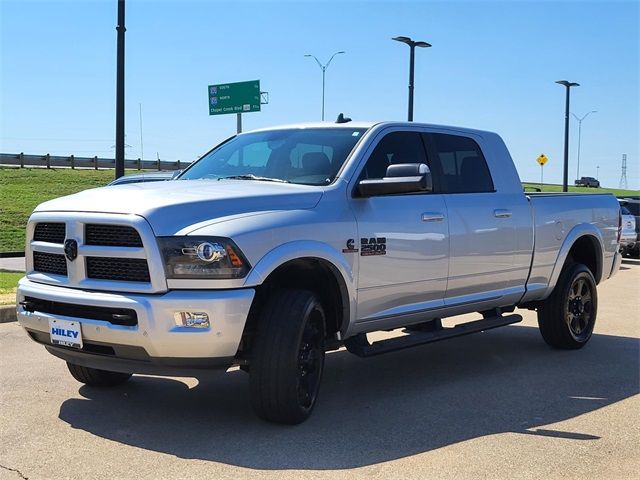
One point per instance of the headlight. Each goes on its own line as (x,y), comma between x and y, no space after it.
(202,257)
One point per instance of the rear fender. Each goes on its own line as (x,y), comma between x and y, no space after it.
(576,233)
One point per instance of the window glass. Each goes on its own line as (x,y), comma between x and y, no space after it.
(394,148)
(307,156)
(459,164)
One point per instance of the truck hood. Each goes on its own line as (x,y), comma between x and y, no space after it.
(173,206)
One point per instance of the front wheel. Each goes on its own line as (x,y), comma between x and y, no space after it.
(288,357)
(566,319)
(97,378)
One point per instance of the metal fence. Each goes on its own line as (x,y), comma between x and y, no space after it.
(49,161)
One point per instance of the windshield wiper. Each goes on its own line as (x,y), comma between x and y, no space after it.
(250,176)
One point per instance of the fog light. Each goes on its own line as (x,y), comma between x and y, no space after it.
(191,319)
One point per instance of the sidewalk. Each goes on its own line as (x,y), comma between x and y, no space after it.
(15,264)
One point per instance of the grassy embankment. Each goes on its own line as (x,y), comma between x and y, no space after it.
(8,283)
(558,188)
(22,189)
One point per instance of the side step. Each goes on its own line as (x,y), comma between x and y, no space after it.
(360,346)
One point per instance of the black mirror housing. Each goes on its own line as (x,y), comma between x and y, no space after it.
(400,178)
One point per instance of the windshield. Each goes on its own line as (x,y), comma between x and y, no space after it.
(310,156)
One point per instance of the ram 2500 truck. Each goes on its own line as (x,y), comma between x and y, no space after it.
(281,244)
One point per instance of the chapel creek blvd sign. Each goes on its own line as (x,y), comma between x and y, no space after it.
(239,97)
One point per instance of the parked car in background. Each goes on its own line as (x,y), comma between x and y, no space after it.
(146,177)
(632,205)
(587,182)
(628,237)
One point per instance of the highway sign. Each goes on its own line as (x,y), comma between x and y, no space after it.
(542,159)
(239,97)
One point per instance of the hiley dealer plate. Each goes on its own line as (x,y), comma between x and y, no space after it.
(65,332)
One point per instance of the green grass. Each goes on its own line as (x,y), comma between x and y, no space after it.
(9,280)
(558,188)
(8,284)
(22,189)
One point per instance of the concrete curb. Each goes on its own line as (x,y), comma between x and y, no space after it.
(8,313)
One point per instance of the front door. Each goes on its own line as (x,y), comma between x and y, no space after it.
(403,239)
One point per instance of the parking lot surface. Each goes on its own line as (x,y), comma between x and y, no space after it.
(499,404)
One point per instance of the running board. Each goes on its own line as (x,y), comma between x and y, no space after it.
(360,346)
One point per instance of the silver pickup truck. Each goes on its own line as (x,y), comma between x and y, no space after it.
(284,243)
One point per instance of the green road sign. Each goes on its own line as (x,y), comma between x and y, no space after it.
(240,97)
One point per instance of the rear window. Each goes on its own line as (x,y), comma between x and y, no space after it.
(633,208)
(458,163)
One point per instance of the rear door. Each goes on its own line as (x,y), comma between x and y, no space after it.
(482,235)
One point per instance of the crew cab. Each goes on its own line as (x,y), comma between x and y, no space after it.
(281,244)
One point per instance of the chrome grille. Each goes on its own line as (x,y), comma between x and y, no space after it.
(116,252)
(49,232)
(112,235)
(123,269)
(49,263)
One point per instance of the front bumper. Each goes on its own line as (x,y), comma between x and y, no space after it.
(156,345)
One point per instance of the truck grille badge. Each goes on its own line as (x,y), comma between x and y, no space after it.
(70,249)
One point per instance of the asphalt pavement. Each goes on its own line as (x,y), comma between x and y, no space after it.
(12,264)
(498,404)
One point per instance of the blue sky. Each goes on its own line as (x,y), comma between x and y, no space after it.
(492,66)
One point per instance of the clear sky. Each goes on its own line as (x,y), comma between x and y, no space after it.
(492,66)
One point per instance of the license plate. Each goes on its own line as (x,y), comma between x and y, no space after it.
(65,333)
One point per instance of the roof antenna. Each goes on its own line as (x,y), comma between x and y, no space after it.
(342,119)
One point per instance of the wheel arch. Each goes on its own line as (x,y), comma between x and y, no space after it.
(311,265)
(583,244)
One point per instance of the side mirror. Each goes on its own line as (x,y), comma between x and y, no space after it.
(176,173)
(400,178)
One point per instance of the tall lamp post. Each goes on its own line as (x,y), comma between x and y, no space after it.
(580,119)
(324,70)
(412,46)
(565,176)
(120,92)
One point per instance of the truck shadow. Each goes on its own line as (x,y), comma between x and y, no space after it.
(374,410)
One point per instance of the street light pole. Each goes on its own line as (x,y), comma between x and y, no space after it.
(412,49)
(324,71)
(120,92)
(580,135)
(565,176)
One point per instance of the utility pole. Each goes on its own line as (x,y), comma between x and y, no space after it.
(623,177)
(120,92)
(141,144)
(565,176)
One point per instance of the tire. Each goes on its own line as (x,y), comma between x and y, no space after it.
(566,319)
(97,378)
(288,357)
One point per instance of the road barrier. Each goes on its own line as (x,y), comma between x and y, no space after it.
(21,160)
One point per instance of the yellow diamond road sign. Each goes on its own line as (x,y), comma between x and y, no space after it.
(542,159)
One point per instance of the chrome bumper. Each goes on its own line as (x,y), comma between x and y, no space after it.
(156,340)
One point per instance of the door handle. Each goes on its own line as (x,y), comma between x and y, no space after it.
(501,213)
(432,217)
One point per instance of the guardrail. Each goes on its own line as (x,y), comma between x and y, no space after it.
(49,161)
